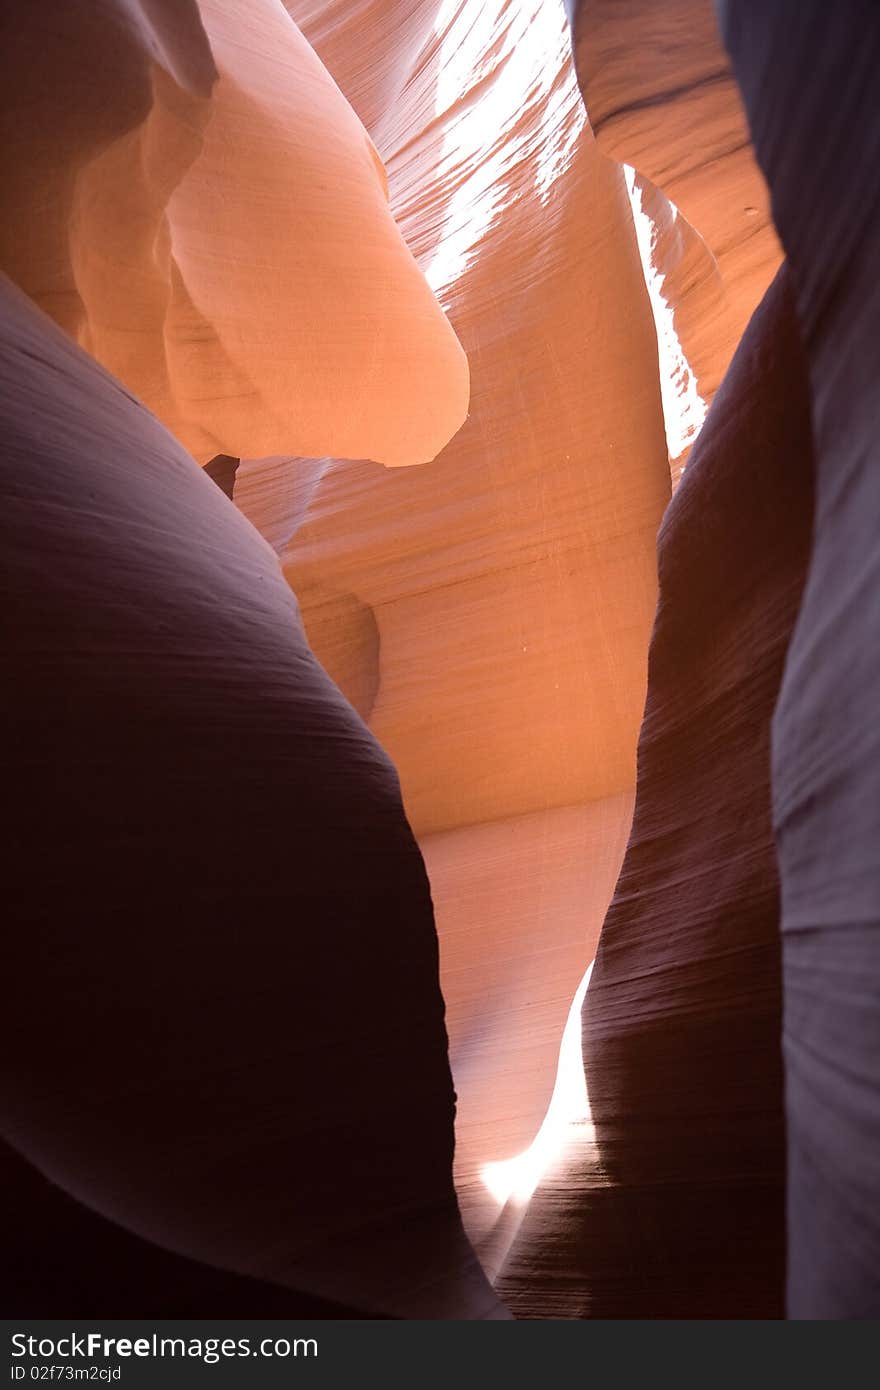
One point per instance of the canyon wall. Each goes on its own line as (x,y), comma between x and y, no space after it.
(322,788)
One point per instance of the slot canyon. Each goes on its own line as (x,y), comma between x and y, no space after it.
(441,565)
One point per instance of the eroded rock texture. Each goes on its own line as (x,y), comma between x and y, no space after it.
(507,587)
(669,1201)
(512,580)
(818,141)
(222,941)
(662,98)
(188,194)
(214,865)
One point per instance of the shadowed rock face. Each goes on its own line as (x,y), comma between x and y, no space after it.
(512,580)
(223,948)
(222,469)
(818,141)
(216,897)
(668,1017)
(682,1020)
(675,1208)
(67,1261)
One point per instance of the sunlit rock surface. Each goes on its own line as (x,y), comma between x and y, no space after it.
(189,194)
(662,98)
(667,1198)
(512,581)
(317,238)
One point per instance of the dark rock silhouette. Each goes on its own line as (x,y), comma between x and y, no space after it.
(224,1030)
(677,1209)
(222,470)
(226,1084)
(682,1020)
(808,74)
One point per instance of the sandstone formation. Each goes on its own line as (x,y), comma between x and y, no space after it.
(669,1200)
(661,97)
(211,884)
(270,303)
(322,773)
(818,144)
(512,580)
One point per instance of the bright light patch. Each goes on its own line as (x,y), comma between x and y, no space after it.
(684,409)
(516,56)
(515,1179)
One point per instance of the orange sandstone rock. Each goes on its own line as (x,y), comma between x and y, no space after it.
(511,581)
(223,243)
(661,97)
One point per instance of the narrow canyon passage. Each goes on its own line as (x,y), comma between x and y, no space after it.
(438,540)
